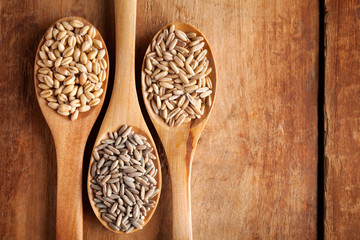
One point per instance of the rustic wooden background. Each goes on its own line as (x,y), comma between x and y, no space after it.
(342,120)
(255,172)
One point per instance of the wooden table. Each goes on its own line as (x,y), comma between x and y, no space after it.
(279,158)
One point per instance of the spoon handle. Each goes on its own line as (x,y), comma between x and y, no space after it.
(180,150)
(124,91)
(69,213)
(181,200)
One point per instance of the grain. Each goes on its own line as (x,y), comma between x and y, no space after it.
(176,74)
(123,179)
(71,57)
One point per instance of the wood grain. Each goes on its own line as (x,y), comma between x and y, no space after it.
(124,106)
(255,169)
(180,142)
(70,138)
(342,120)
(28,167)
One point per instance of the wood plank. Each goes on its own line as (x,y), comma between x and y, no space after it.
(266,185)
(255,169)
(342,120)
(27,159)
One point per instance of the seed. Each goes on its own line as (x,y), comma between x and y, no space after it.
(181,35)
(85,46)
(197,47)
(97,43)
(166,85)
(92,32)
(93,78)
(138,139)
(83,58)
(97,86)
(61,35)
(55,33)
(48,81)
(71,41)
(46,93)
(64,113)
(176,74)
(51,55)
(102,75)
(68,88)
(113,226)
(149,192)
(91,55)
(89,95)
(68,52)
(103,216)
(64,107)
(43,55)
(96,68)
(83,99)
(127,200)
(89,87)
(136,224)
(61,97)
(75,115)
(73,70)
(94,102)
(51,99)
(48,34)
(84,108)
(81,67)
(191,88)
(205,94)
(129,229)
(113,208)
(96,187)
(119,188)
(84,30)
(101,205)
(105,179)
(100,54)
(53,105)
(76,23)
(161,75)
(69,80)
(162,67)
(98,93)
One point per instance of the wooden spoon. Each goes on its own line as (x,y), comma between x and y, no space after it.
(70,138)
(124,106)
(179,144)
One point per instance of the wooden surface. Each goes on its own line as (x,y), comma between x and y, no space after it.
(254,173)
(342,120)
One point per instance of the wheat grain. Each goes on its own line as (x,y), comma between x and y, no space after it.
(72,56)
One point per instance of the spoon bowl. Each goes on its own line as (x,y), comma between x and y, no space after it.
(185,27)
(70,138)
(46,110)
(124,107)
(103,135)
(180,143)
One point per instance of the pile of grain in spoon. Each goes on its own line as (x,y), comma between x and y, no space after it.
(177,80)
(123,181)
(72,68)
